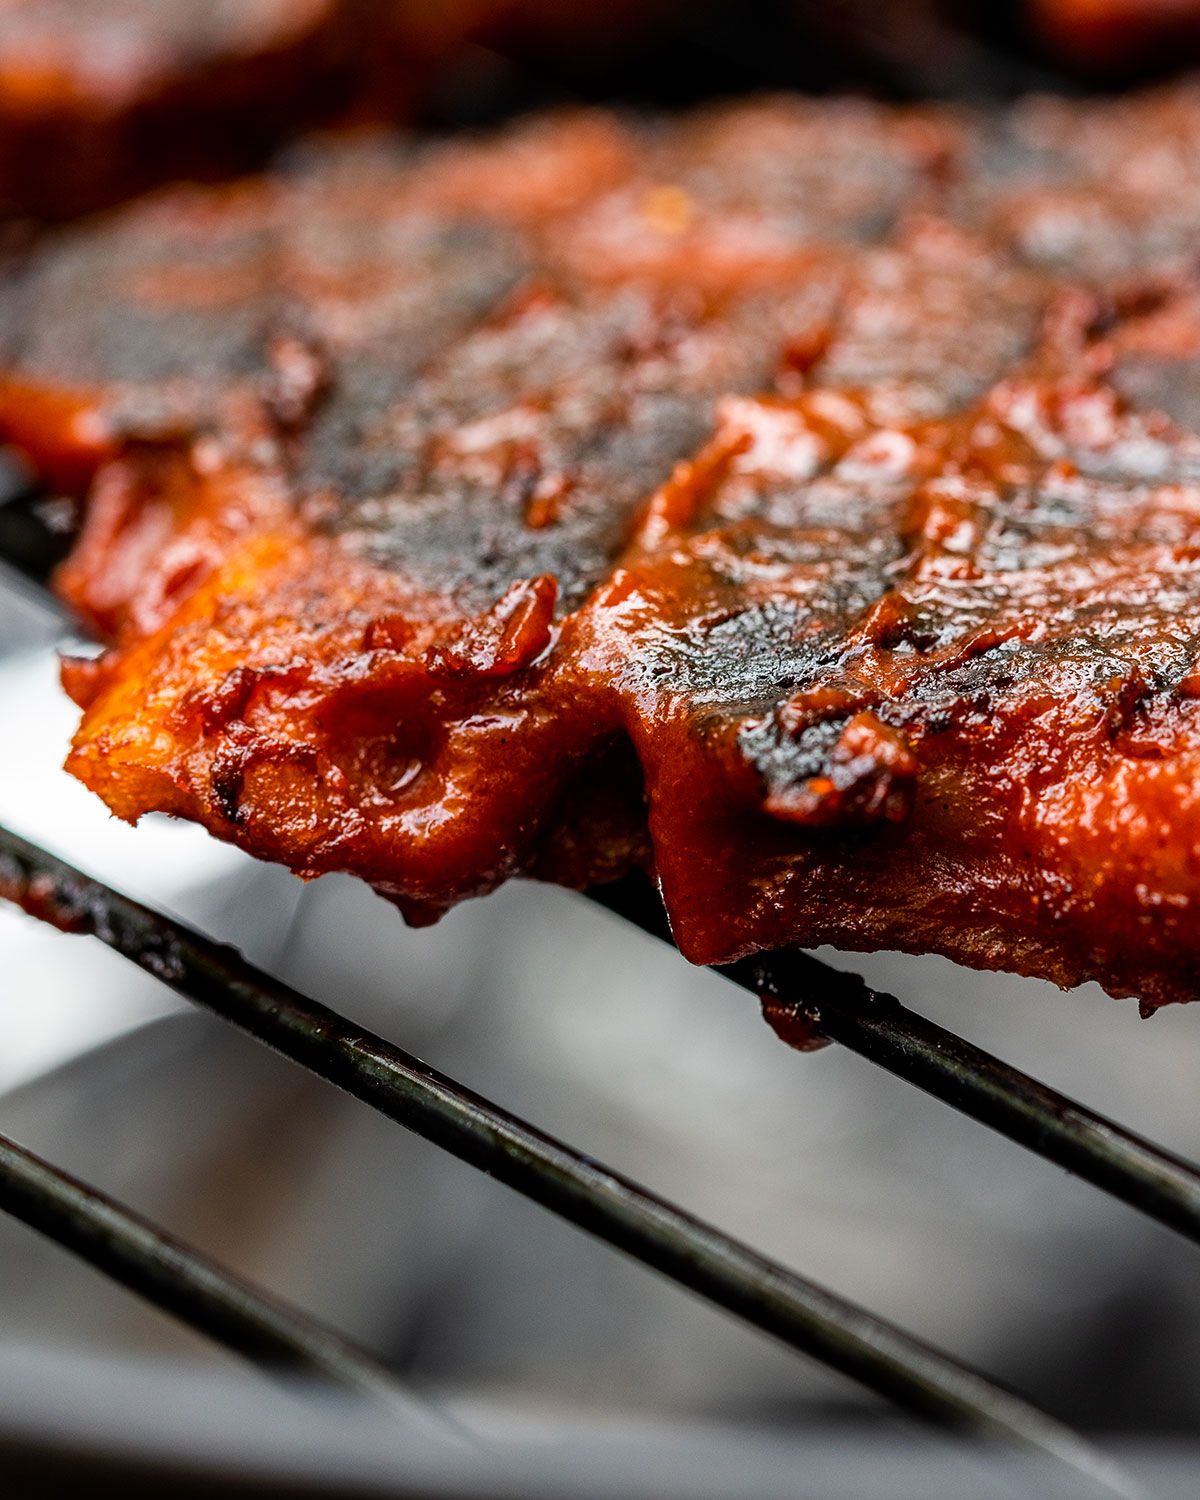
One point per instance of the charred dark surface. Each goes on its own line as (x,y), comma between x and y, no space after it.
(799,500)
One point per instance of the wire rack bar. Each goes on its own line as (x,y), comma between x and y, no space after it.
(687,1250)
(178,1279)
(843,1008)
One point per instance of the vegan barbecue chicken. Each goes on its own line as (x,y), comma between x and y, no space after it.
(799,500)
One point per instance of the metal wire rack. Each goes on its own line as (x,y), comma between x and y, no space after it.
(695,1255)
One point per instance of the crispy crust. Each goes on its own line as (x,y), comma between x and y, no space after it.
(763,499)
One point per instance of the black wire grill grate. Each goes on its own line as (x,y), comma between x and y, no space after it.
(688,1251)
